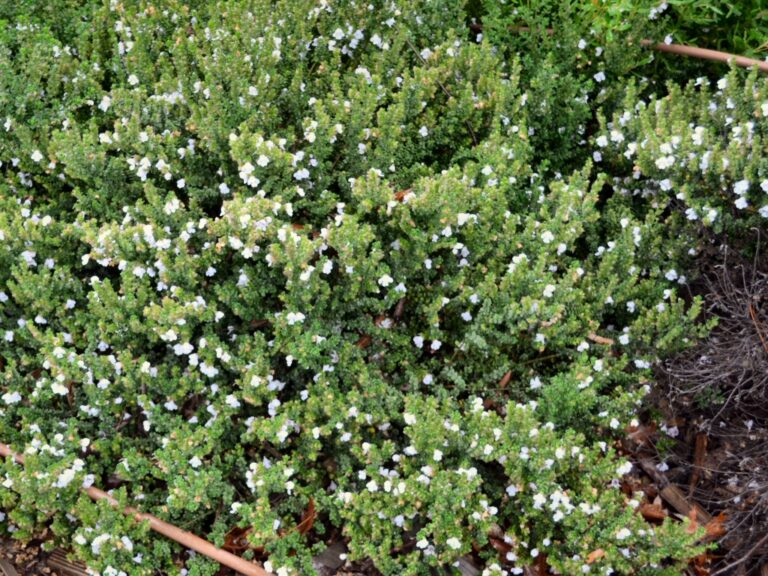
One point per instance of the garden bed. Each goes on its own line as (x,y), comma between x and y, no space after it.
(401,277)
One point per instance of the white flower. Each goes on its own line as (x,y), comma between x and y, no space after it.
(423,132)
(169,336)
(195,462)
(454,543)
(262,160)
(133,80)
(602,141)
(409,418)
(385,280)
(294,318)
(741,203)
(671,275)
(625,468)
(59,389)
(437,455)
(106,101)
(623,534)
(301,174)
(741,187)
(549,290)
(547,237)
(183,349)
(427,379)
(98,542)
(418,341)
(12,397)
(171,206)
(582,44)
(698,135)
(599,77)
(665,162)
(223,188)
(36,156)
(668,39)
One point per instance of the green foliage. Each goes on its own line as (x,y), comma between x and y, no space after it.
(699,150)
(255,254)
(739,26)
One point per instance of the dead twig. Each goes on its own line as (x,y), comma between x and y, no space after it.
(753,315)
(700,453)
(600,339)
(744,558)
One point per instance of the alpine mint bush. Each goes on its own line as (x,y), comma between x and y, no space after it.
(257,257)
(700,148)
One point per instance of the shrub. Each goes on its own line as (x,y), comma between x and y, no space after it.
(258,256)
(699,150)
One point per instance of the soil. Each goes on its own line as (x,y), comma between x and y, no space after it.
(27,559)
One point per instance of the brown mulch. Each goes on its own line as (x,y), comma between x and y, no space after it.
(24,559)
(713,403)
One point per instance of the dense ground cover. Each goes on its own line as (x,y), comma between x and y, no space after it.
(399,263)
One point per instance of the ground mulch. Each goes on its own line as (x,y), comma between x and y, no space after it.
(27,559)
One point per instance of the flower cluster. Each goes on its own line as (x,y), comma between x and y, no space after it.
(698,149)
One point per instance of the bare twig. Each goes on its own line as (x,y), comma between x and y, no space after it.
(706,54)
(744,558)
(753,315)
